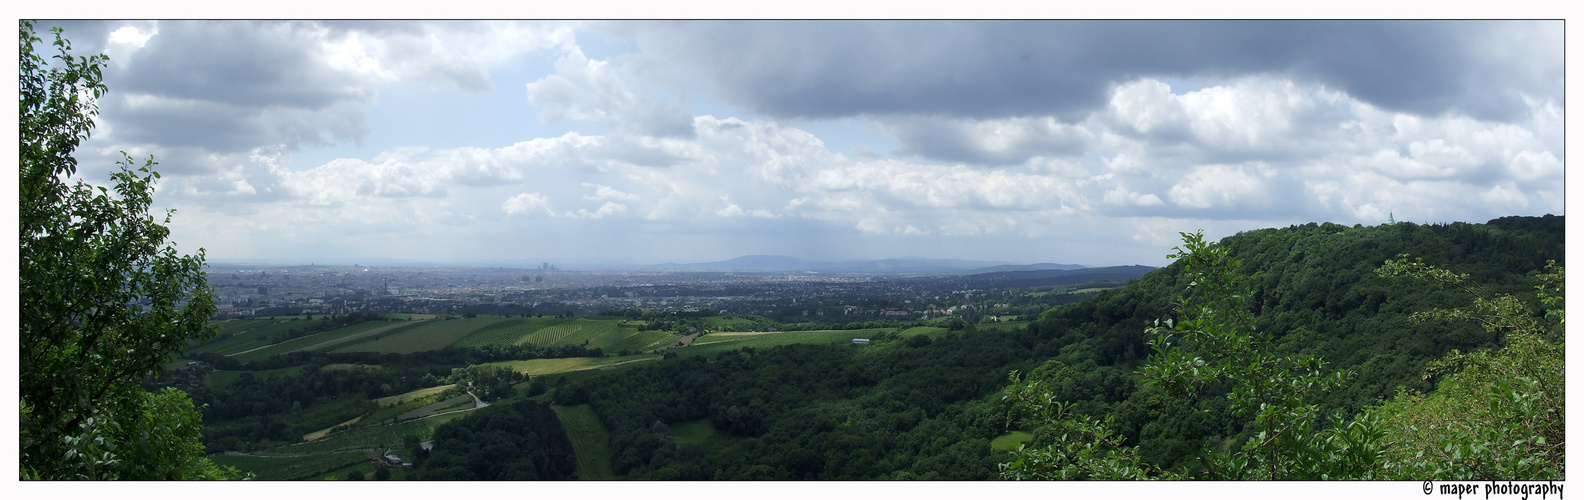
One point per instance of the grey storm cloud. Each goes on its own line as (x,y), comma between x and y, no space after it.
(236,63)
(820,69)
(231,86)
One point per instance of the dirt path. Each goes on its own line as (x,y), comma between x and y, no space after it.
(250,350)
(596,367)
(447,412)
(326,431)
(685,340)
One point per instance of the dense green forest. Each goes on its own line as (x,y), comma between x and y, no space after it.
(922,407)
(513,442)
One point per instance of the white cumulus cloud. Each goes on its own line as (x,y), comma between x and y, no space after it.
(527,204)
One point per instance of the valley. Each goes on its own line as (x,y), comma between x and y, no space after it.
(699,393)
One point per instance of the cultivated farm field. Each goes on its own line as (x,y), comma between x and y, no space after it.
(462,402)
(237,335)
(323,340)
(423,336)
(607,334)
(370,437)
(552,366)
(508,332)
(403,398)
(716,343)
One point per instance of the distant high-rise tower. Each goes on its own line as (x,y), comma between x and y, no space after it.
(1391,218)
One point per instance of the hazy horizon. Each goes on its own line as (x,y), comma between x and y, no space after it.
(590,265)
(1084,142)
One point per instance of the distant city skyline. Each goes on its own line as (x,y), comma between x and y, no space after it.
(580,143)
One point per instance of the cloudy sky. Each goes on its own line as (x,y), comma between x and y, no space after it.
(644,142)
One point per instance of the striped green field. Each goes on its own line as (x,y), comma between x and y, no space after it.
(608,334)
(538,367)
(721,342)
(590,441)
(633,340)
(508,332)
(463,402)
(423,336)
(560,335)
(237,335)
(552,366)
(324,340)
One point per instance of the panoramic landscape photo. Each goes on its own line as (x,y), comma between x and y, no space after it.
(792,250)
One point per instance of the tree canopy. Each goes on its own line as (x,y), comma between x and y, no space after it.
(1496,414)
(105,300)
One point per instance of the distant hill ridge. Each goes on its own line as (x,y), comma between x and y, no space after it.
(1048,277)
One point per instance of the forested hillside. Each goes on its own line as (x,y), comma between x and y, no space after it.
(1314,290)
(916,407)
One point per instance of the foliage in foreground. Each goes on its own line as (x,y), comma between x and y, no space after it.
(1498,414)
(1084,447)
(104,299)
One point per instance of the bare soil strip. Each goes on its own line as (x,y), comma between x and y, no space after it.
(323,432)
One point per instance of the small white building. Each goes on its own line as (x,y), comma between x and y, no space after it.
(860,341)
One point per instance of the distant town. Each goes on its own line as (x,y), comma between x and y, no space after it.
(278,290)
